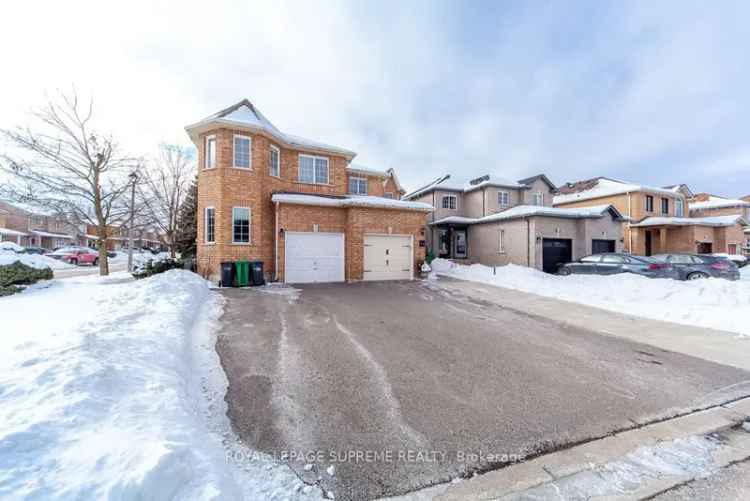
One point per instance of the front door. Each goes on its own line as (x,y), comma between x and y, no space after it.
(705,248)
(648,243)
(459,241)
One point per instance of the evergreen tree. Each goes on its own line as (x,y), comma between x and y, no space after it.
(187,222)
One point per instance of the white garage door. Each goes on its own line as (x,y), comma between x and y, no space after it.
(314,257)
(388,257)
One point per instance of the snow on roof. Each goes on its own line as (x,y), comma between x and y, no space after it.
(450,183)
(520,211)
(366,170)
(9,232)
(349,201)
(692,221)
(52,235)
(715,202)
(245,114)
(605,187)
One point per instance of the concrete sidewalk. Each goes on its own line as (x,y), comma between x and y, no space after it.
(717,346)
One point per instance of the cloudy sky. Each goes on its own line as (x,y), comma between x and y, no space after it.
(653,92)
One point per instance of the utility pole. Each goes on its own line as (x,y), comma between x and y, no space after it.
(133,178)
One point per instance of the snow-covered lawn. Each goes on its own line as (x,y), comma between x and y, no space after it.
(111,388)
(714,303)
(33,260)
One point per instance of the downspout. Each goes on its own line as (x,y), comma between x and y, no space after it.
(630,231)
(276,245)
(528,243)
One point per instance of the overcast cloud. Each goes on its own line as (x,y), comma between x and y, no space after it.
(653,92)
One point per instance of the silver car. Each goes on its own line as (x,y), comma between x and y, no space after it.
(699,266)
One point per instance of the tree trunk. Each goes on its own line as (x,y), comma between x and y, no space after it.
(103,257)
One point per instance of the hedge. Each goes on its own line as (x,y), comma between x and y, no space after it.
(17,273)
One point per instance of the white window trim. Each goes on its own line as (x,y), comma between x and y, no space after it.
(645,202)
(500,241)
(249,152)
(500,199)
(206,152)
(315,174)
(681,204)
(358,178)
(541,198)
(205,225)
(249,226)
(278,157)
(455,203)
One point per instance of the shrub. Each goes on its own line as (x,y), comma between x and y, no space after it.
(16,274)
(156,267)
(429,256)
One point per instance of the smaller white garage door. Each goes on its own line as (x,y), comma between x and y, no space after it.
(313,257)
(388,257)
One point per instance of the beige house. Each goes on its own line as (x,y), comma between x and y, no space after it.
(706,204)
(659,219)
(496,221)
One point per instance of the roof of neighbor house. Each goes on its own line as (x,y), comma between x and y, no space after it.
(349,201)
(385,174)
(9,232)
(715,202)
(246,115)
(716,221)
(544,178)
(41,233)
(522,211)
(599,187)
(681,188)
(449,183)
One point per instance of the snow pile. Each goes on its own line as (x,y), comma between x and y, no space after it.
(350,201)
(116,393)
(34,260)
(10,247)
(713,303)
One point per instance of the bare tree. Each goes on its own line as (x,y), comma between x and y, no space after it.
(164,187)
(63,165)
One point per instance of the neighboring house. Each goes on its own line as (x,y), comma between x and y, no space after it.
(40,230)
(6,233)
(298,206)
(657,219)
(496,221)
(705,204)
(118,238)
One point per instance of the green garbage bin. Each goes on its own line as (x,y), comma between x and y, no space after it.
(243,273)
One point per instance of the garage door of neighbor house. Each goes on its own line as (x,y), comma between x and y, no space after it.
(598,246)
(313,257)
(554,252)
(388,257)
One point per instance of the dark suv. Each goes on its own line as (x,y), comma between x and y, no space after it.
(614,263)
(698,266)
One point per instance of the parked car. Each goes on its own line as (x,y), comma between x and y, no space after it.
(737,259)
(76,255)
(611,263)
(698,266)
(36,250)
(8,246)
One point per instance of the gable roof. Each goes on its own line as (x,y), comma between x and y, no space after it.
(715,221)
(522,211)
(714,202)
(681,188)
(245,115)
(544,178)
(345,201)
(448,182)
(599,187)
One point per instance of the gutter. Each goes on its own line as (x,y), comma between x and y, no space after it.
(276,245)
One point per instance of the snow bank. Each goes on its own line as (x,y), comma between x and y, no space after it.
(116,393)
(34,260)
(10,247)
(714,303)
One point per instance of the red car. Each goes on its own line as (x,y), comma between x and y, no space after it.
(78,256)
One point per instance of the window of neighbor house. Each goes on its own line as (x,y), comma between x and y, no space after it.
(210,152)
(449,202)
(649,203)
(679,208)
(274,161)
(242,148)
(210,229)
(388,194)
(240,225)
(313,170)
(665,206)
(358,185)
(732,249)
(500,238)
(503,198)
(539,198)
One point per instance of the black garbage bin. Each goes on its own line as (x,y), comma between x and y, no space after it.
(227,274)
(256,273)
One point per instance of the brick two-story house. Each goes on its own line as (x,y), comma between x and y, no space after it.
(299,206)
(657,219)
(496,221)
(32,228)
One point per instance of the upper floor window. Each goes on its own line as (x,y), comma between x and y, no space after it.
(679,207)
(240,225)
(313,170)
(210,227)
(449,202)
(242,148)
(37,221)
(274,161)
(210,161)
(503,198)
(538,198)
(388,194)
(358,185)
(665,206)
(649,203)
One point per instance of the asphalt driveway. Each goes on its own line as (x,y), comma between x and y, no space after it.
(407,384)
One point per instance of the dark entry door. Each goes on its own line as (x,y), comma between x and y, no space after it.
(599,246)
(705,248)
(648,243)
(556,251)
